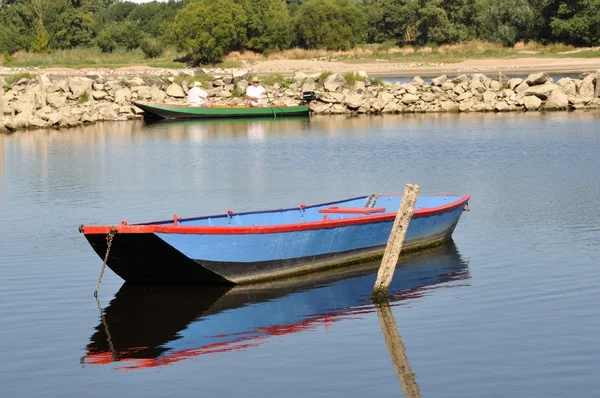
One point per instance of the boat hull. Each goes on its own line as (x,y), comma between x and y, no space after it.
(160,257)
(187,112)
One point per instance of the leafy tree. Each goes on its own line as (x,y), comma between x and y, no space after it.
(208,29)
(126,34)
(575,22)
(330,24)
(268,25)
(507,21)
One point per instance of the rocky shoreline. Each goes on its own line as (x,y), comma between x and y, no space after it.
(47,100)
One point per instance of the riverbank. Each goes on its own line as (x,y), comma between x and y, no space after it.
(49,99)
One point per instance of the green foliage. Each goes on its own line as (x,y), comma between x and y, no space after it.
(83,97)
(41,40)
(330,24)
(75,28)
(324,75)
(236,93)
(126,35)
(151,47)
(208,29)
(377,81)
(287,82)
(506,21)
(353,77)
(272,79)
(6,87)
(576,22)
(268,26)
(10,80)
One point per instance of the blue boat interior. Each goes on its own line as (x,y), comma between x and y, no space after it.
(349,208)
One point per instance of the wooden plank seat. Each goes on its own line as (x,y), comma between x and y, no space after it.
(352,210)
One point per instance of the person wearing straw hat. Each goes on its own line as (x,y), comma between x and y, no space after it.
(198,97)
(254,93)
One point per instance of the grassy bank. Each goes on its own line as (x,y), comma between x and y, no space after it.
(93,57)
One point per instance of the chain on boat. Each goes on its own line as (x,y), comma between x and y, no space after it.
(371,201)
(109,239)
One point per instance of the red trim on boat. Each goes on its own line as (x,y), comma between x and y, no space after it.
(269,229)
(352,210)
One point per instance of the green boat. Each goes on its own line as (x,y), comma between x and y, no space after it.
(167,111)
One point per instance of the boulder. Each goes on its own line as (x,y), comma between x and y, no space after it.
(410,88)
(466,106)
(409,99)
(309,84)
(513,83)
(299,77)
(54,118)
(489,97)
(319,107)
(417,81)
(477,84)
(587,86)
(360,87)
(38,123)
(532,103)
(157,95)
(542,91)
(438,81)
(501,106)
(597,92)
(174,90)
(448,86)
(465,96)
(569,87)
(98,87)
(557,100)
(80,85)
(355,101)
(334,82)
(495,85)
(332,98)
(136,81)
(1,104)
(392,107)
(143,92)
(122,96)
(449,106)
(240,74)
(535,79)
(483,107)
(460,79)
(428,97)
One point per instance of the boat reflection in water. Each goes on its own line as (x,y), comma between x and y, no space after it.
(146,327)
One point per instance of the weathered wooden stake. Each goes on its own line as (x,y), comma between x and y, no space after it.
(407,378)
(394,245)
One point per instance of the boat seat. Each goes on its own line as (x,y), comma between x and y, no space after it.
(352,210)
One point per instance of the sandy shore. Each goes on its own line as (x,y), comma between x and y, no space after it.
(383,68)
(516,66)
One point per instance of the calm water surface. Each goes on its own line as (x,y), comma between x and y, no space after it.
(511,307)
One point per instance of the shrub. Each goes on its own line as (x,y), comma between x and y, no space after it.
(83,97)
(151,48)
(353,77)
(272,79)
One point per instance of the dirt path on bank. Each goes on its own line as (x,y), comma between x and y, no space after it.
(515,66)
(506,66)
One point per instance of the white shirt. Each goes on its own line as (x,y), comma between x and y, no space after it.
(257,92)
(197,97)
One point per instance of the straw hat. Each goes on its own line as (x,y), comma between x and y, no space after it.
(195,84)
(255,80)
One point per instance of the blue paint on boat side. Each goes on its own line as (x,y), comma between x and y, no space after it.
(251,248)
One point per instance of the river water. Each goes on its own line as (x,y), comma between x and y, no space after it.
(510,307)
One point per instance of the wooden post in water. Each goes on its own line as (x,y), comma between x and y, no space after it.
(397,351)
(394,245)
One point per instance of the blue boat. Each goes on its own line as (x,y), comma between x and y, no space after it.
(146,327)
(250,247)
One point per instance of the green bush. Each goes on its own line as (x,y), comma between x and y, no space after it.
(124,34)
(208,29)
(83,97)
(353,77)
(151,48)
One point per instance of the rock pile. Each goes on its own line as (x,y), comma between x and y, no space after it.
(64,102)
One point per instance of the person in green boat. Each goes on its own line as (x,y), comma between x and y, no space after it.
(198,97)
(254,93)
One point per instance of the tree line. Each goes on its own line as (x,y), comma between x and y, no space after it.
(206,30)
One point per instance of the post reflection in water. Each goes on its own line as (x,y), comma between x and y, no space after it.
(397,351)
(147,327)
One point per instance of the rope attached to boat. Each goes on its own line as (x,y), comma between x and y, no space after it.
(109,239)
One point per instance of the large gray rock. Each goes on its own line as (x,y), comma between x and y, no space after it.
(144,92)
(557,100)
(360,87)
(122,96)
(587,86)
(80,85)
(56,100)
(239,75)
(569,87)
(334,82)
(332,98)
(54,118)
(532,103)
(309,84)
(417,81)
(157,95)
(299,77)
(465,96)
(448,86)
(449,106)
(597,93)
(541,91)
(466,106)
(409,98)
(174,90)
(392,107)
(536,79)
(489,97)
(495,85)
(355,101)
(501,106)
(513,83)
(410,88)
(477,84)
(428,97)
(438,81)
(319,107)
(135,82)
